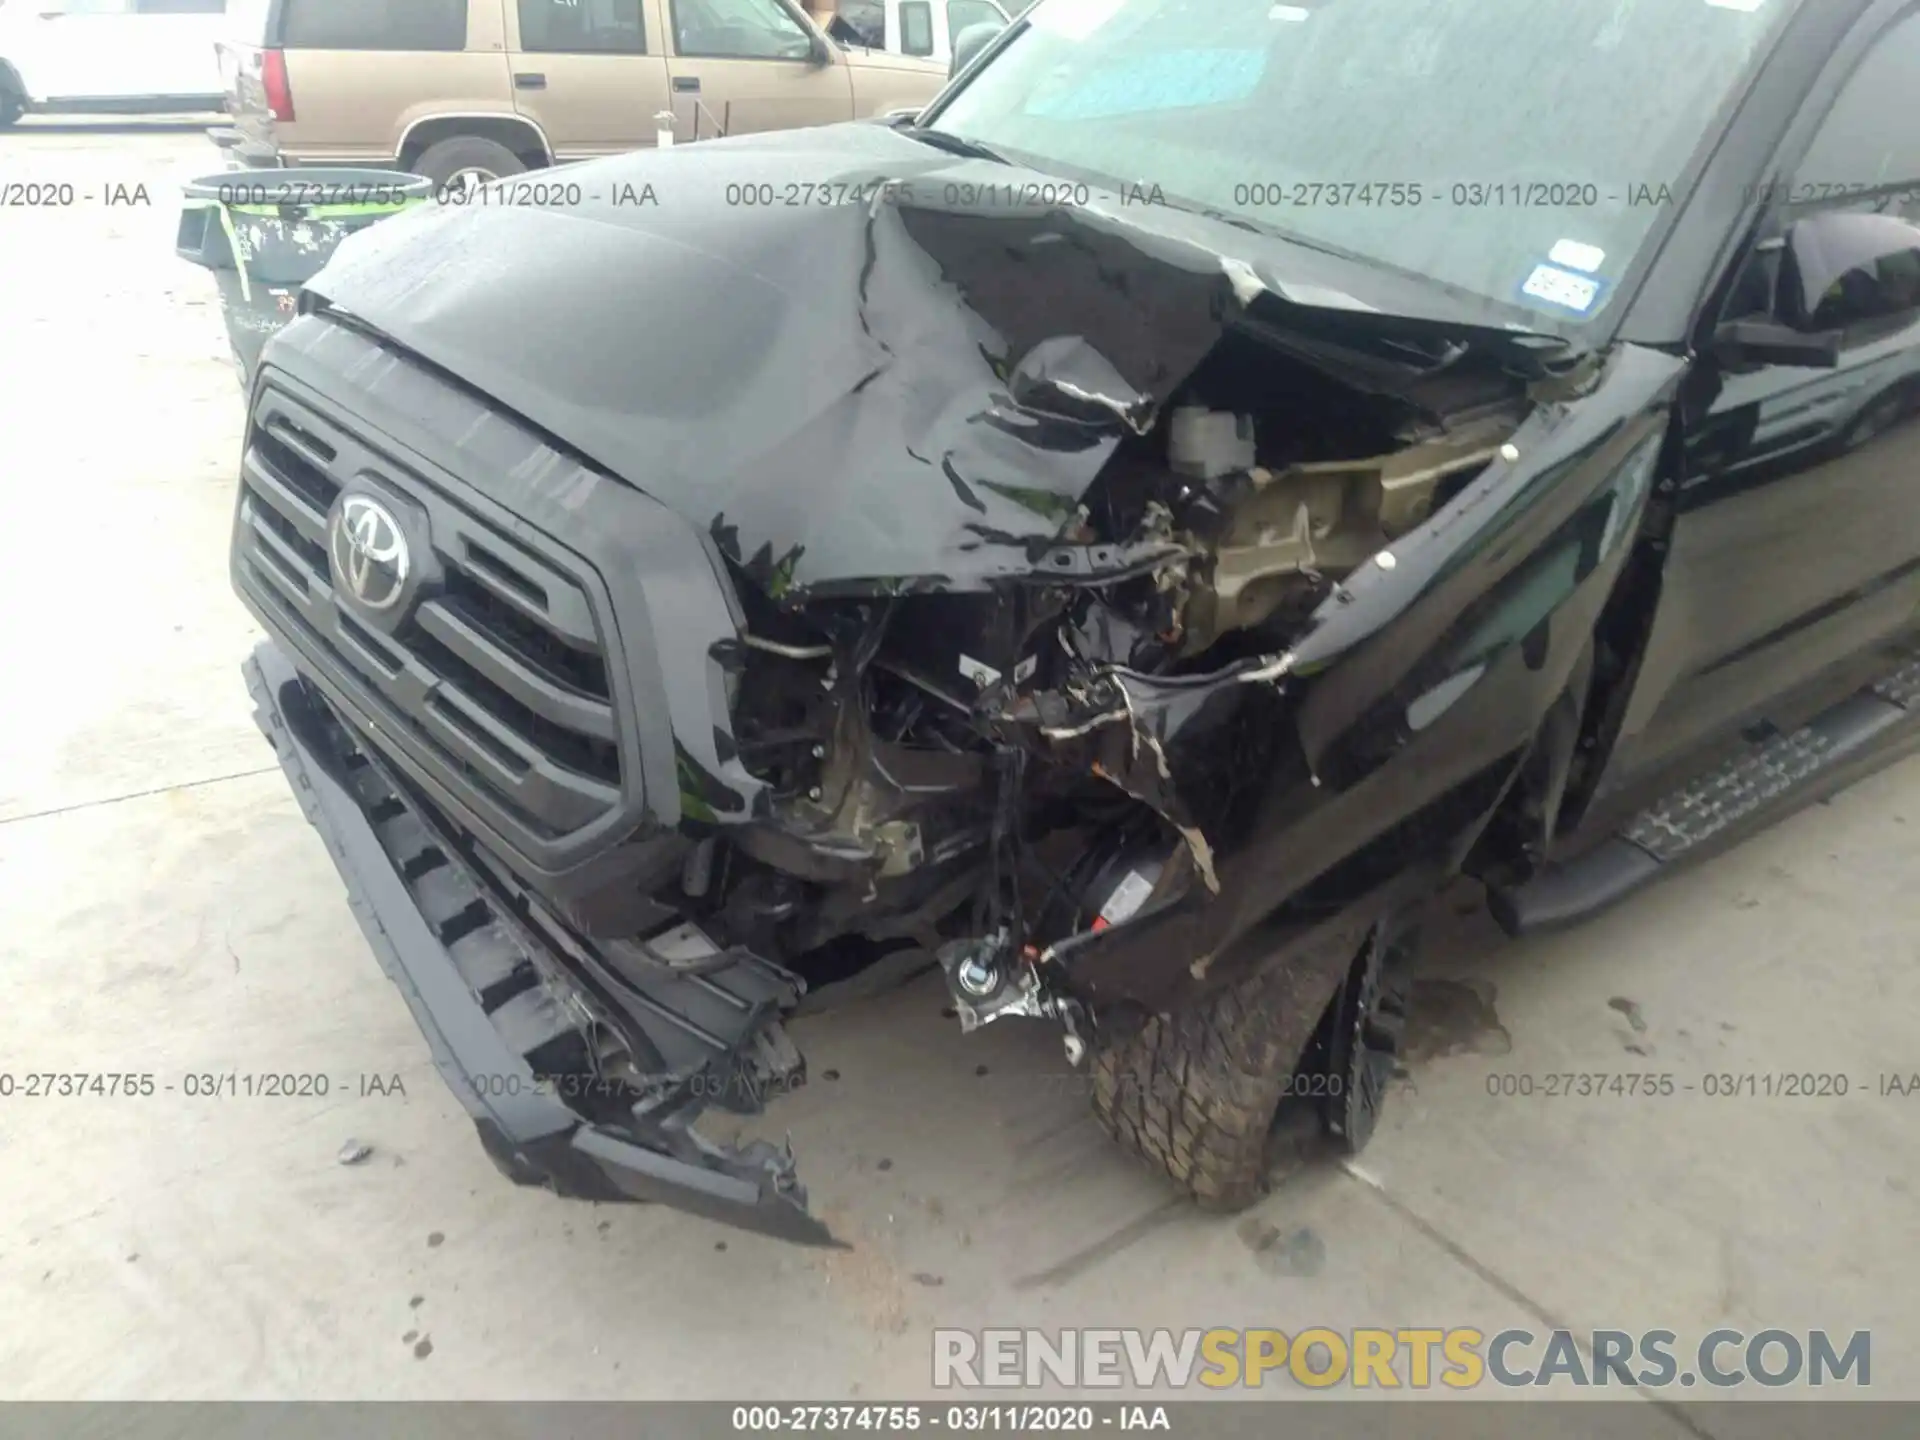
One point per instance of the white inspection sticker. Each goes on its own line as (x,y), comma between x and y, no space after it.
(1128,896)
(1562,287)
(1577,255)
(978,671)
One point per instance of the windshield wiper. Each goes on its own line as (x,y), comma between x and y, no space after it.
(955,144)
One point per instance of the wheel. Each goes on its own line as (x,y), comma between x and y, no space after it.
(461,161)
(1227,1095)
(1878,418)
(12,104)
(1363,1029)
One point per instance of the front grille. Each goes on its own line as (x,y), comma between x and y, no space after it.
(496,672)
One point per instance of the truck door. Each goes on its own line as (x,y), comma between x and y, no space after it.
(1796,537)
(592,74)
(741,66)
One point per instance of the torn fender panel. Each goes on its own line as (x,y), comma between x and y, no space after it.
(1406,706)
(1201,750)
(1525,556)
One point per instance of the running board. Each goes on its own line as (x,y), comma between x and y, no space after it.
(1771,780)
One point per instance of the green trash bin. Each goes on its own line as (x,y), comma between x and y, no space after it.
(265,233)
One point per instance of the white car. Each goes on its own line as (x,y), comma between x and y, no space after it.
(925,28)
(109,57)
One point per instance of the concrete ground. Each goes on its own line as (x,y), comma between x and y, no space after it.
(165,910)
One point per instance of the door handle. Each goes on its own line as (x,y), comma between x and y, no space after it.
(529,80)
(687,84)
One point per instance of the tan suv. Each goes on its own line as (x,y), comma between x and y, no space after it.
(472,89)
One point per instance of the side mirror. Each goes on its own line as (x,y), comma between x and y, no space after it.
(1834,269)
(1842,267)
(970,42)
(1769,342)
(820,51)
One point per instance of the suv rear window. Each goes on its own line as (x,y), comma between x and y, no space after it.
(373,24)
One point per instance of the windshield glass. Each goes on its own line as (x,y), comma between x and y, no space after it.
(1520,150)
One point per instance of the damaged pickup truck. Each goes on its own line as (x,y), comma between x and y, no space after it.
(1127,536)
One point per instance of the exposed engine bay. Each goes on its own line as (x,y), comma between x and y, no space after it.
(984,776)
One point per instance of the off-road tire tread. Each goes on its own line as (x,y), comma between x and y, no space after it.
(1194,1093)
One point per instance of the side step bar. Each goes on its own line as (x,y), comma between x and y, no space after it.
(1843,744)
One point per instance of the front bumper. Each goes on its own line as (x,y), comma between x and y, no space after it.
(532,1134)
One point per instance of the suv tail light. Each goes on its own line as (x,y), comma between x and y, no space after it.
(273,76)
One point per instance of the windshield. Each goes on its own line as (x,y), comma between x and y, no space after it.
(1520,150)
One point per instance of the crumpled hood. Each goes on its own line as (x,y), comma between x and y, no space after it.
(809,344)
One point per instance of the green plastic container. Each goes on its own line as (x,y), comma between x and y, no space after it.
(265,233)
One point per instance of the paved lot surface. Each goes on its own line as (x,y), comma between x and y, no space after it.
(164,909)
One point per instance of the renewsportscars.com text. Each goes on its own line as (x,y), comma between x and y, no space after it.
(1460,1358)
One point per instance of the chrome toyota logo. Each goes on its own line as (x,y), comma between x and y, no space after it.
(369,552)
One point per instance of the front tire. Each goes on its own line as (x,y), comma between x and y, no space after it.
(12,105)
(1250,1081)
(1878,418)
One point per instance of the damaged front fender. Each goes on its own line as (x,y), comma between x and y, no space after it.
(1194,748)
(1317,787)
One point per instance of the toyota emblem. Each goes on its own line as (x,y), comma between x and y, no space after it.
(369,553)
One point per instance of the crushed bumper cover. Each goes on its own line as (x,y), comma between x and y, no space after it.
(531,1133)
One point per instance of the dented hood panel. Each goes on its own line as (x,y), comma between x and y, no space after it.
(886,373)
